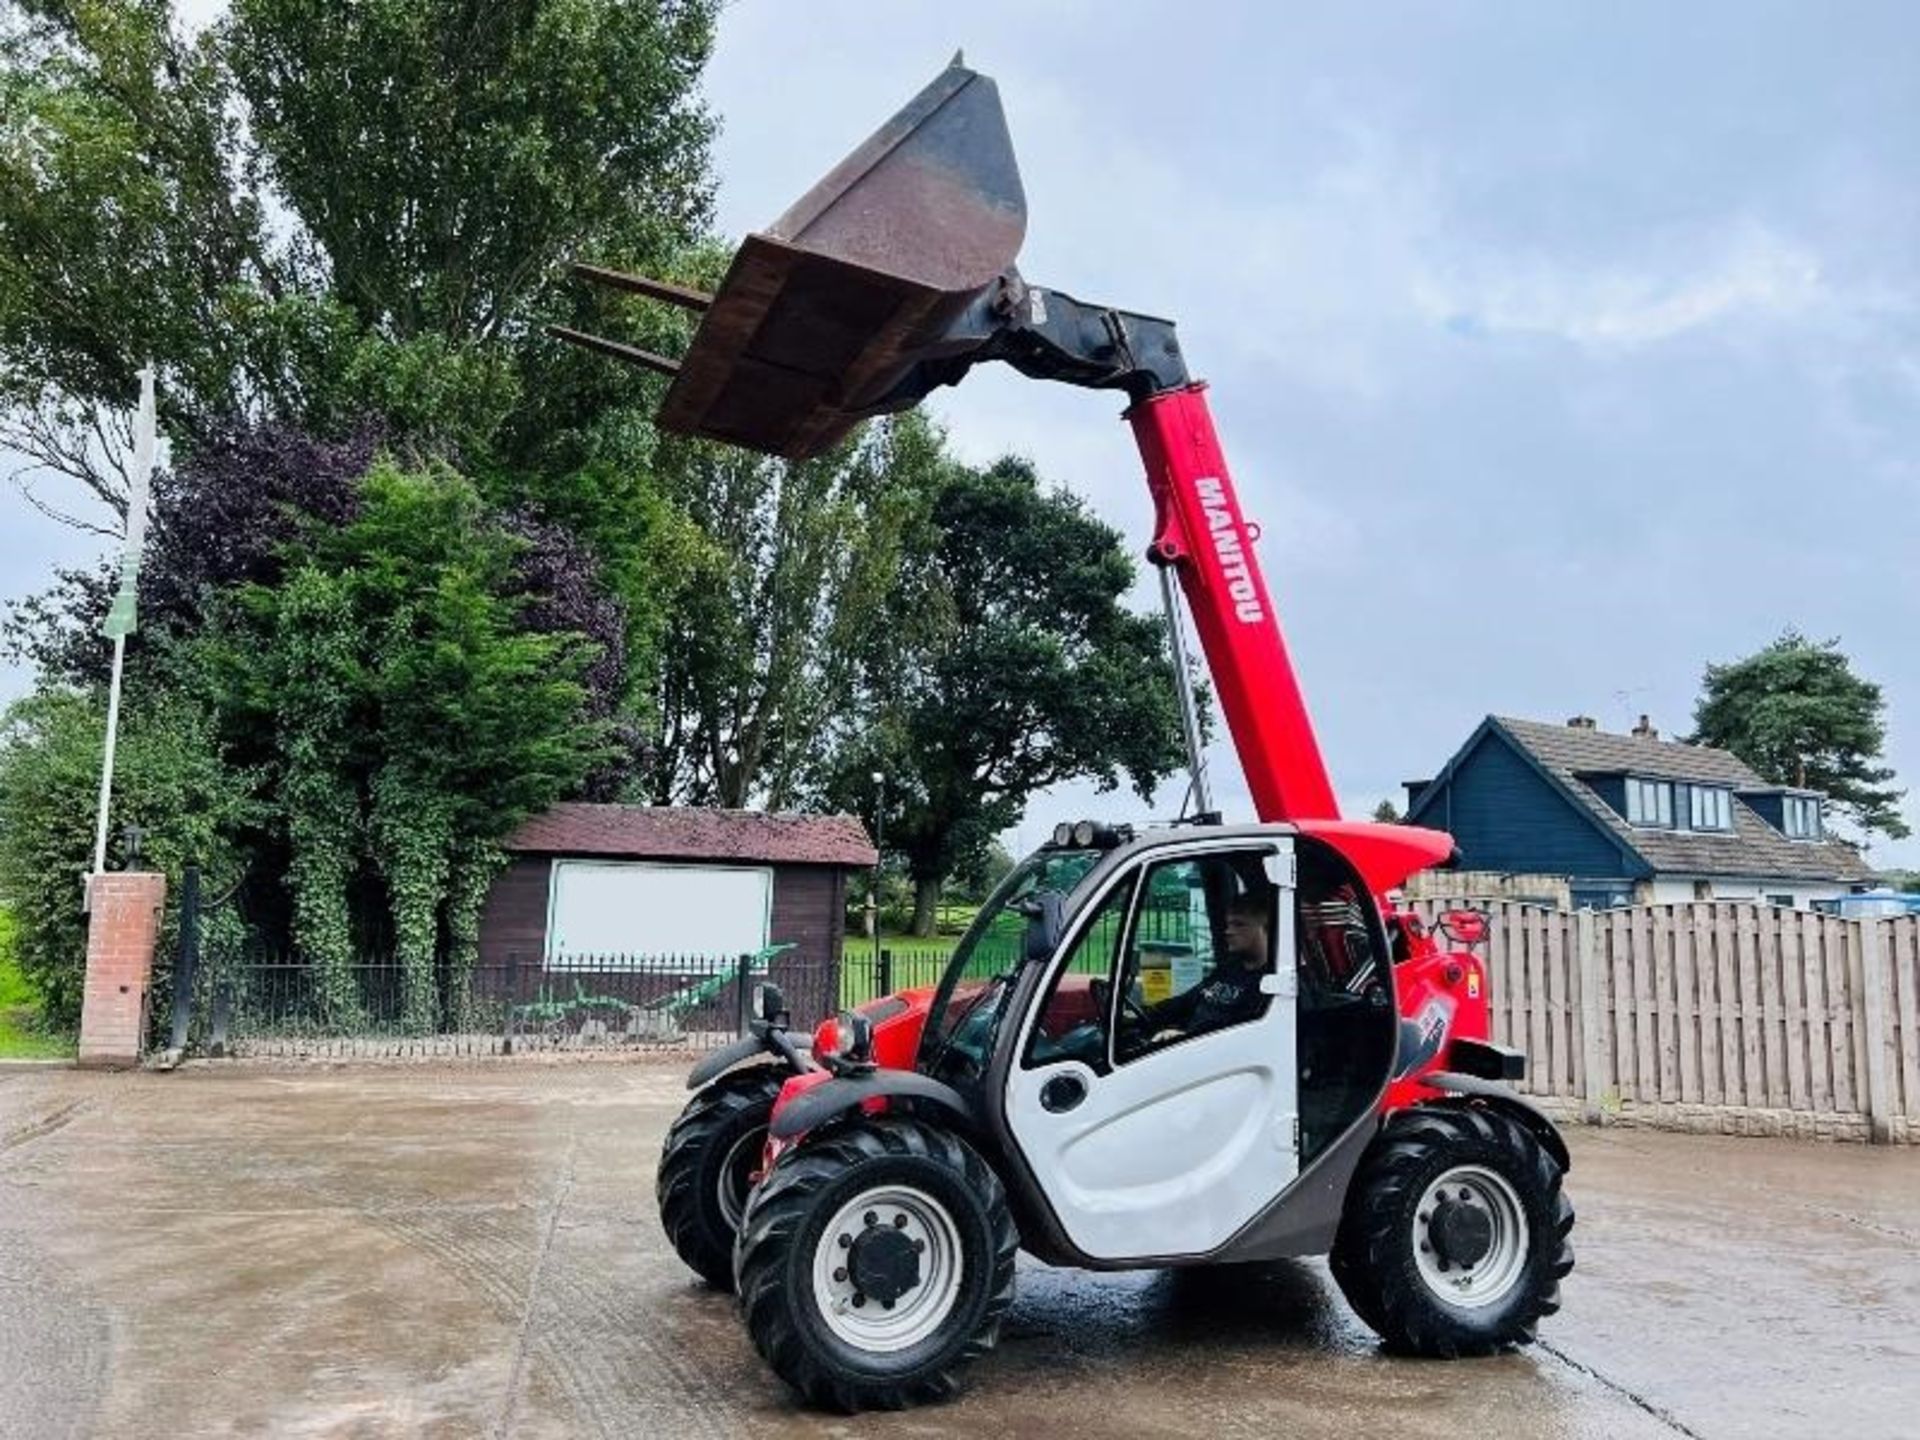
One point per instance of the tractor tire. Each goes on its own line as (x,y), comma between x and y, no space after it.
(1454,1241)
(707,1164)
(875,1263)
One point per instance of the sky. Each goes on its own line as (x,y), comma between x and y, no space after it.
(1557,350)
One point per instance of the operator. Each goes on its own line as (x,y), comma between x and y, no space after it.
(1231,993)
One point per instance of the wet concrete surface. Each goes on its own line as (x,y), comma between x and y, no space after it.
(451,1251)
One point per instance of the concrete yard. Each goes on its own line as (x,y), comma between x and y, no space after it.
(472,1250)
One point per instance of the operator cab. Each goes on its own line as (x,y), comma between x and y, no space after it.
(1166,1030)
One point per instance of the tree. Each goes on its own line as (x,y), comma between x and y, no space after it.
(168,780)
(443,156)
(1798,715)
(978,873)
(225,516)
(428,167)
(1008,665)
(1387,813)
(789,569)
(107,111)
(402,715)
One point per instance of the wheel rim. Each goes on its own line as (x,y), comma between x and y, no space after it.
(1470,1237)
(736,1174)
(903,1246)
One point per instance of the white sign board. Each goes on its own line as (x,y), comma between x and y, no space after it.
(609,907)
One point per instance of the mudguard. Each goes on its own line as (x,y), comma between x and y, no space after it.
(823,1102)
(745,1048)
(724,1059)
(1499,1097)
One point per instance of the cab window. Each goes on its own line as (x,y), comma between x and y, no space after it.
(1200,945)
(1077,1009)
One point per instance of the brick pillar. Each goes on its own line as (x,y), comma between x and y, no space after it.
(122,930)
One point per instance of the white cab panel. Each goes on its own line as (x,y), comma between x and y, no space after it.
(1173,1152)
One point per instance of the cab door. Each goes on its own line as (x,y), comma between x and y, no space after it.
(1154,1089)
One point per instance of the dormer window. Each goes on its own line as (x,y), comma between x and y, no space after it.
(1667,805)
(1802,816)
(1710,808)
(1649,802)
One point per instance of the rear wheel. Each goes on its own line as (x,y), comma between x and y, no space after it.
(707,1167)
(875,1262)
(1455,1237)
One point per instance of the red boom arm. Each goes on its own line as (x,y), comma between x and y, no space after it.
(1200,531)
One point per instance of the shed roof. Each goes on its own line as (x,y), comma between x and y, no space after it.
(1754,848)
(674,832)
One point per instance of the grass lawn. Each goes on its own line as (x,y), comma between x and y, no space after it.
(20,1035)
(916,961)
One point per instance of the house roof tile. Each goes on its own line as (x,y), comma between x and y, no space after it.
(661,832)
(1754,848)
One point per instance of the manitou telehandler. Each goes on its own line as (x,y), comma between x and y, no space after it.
(1191,1045)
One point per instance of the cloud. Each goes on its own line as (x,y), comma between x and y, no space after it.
(1743,273)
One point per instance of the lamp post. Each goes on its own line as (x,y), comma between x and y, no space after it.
(879,839)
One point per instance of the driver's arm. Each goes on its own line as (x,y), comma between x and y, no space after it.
(1172,1013)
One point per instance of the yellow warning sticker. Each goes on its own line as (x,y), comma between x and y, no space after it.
(1473,984)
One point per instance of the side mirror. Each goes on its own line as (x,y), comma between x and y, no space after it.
(1045,911)
(856,1038)
(769,1004)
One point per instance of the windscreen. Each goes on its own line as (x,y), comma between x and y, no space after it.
(966,1010)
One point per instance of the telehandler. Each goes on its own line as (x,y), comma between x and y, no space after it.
(1198,1044)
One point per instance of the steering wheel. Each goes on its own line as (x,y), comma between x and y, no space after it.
(1102,991)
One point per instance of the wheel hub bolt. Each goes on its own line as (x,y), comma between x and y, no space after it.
(840,1276)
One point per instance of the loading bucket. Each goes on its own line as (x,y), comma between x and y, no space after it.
(822,314)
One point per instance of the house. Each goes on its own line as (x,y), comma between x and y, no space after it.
(589,881)
(1631,818)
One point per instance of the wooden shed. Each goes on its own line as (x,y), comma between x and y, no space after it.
(592,881)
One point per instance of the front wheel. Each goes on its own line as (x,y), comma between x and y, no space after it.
(874,1263)
(707,1167)
(1455,1235)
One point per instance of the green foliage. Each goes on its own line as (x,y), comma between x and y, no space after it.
(428,168)
(443,156)
(1387,813)
(311,676)
(790,571)
(400,718)
(128,224)
(975,877)
(23,1032)
(168,779)
(1798,715)
(1007,664)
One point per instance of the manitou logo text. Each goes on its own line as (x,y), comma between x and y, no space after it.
(1227,545)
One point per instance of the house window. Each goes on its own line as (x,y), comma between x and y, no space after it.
(1709,808)
(1803,817)
(1785,902)
(1650,802)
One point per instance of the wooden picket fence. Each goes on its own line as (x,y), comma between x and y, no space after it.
(1712,1016)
